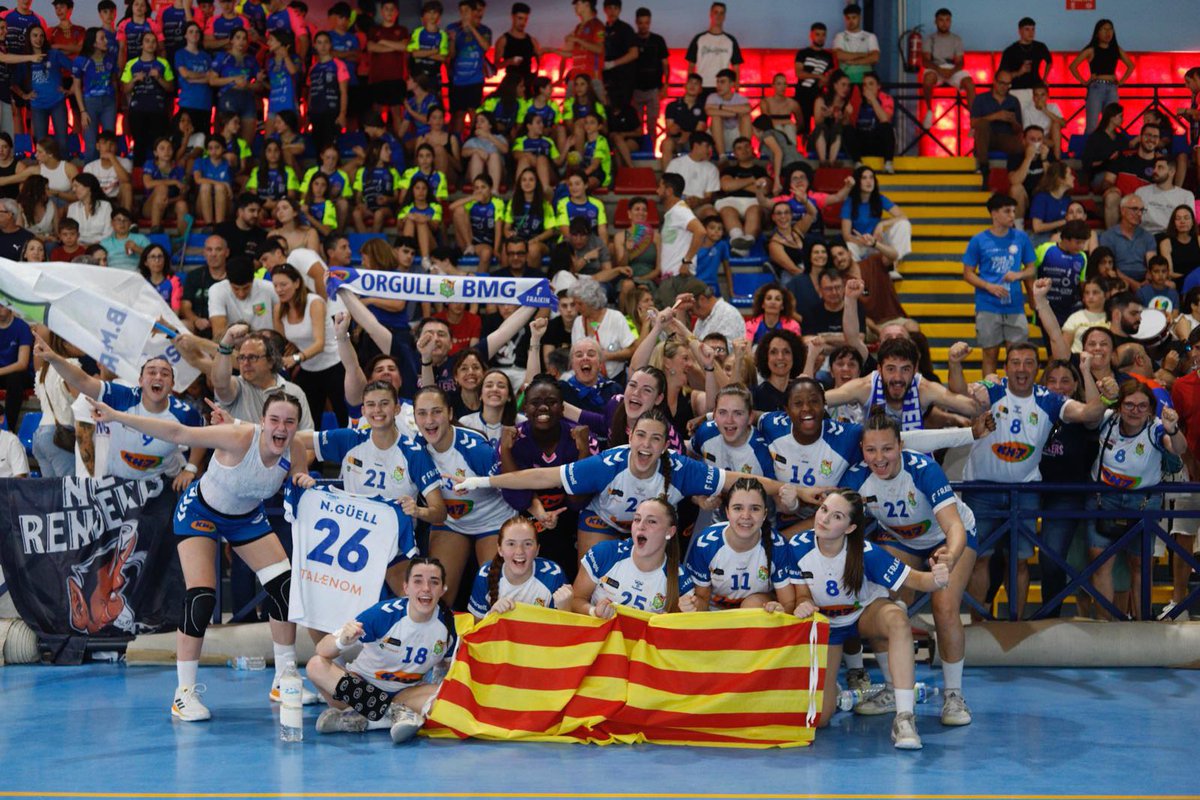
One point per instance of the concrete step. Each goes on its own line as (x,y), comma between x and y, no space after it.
(925,195)
(923,229)
(925,164)
(935,287)
(945,269)
(935,181)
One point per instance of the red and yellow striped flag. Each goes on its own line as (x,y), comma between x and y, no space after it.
(740,678)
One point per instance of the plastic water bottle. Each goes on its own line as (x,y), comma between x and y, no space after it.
(247,663)
(849,698)
(291,709)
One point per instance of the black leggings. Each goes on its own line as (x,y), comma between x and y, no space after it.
(15,384)
(321,386)
(879,141)
(145,127)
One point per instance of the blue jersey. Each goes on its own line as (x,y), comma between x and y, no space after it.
(1065,272)
(537,590)
(147,94)
(709,261)
(347,42)
(992,257)
(422,106)
(324,86)
(403,470)
(377,185)
(173,22)
(482,511)
(618,491)
(610,566)
(591,209)
(823,575)
(226,66)
(256,14)
(397,651)
(735,575)
(467,69)
(215,172)
(98,77)
(484,218)
(821,463)
(45,79)
(1012,452)
(272,183)
(194,95)
(283,85)
(132,454)
(906,506)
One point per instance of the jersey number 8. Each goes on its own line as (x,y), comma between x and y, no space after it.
(351,556)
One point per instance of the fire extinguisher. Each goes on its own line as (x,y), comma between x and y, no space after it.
(911,45)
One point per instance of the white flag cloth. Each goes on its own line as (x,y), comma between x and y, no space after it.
(107,313)
(443,288)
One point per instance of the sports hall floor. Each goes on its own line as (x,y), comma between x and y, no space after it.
(104,731)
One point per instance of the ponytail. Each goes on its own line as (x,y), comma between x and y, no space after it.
(854,573)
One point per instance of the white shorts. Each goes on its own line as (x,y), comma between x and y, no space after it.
(954,80)
(739,204)
(1183,501)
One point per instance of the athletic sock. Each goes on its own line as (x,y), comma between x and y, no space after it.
(952,674)
(186,672)
(736,233)
(284,654)
(882,658)
(906,700)
(853,660)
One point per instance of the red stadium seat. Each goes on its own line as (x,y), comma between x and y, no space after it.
(830,179)
(832,215)
(621,215)
(998,180)
(635,180)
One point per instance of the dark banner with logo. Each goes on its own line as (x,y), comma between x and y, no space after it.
(89,560)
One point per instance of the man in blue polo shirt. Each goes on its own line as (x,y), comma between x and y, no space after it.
(997,260)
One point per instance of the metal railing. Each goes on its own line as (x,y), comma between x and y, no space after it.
(1019,523)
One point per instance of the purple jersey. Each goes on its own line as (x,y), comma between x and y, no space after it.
(528,454)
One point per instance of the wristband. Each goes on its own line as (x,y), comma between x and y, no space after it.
(426,363)
(297,358)
(337,640)
(192,468)
(591,611)
(224,349)
(1107,402)
(710,369)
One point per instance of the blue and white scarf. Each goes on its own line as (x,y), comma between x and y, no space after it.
(910,412)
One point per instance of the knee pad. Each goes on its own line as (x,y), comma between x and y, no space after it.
(365,698)
(198,606)
(277,582)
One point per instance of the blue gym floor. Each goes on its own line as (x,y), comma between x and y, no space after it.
(105,730)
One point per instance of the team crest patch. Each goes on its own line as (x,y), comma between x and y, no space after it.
(446,288)
(540,602)
(826,468)
(1140,449)
(260,309)
(398,474)
(762,573)
(1033,418)
(658,603)
(1001,409)
(912,499)
(439,647)
(747,469)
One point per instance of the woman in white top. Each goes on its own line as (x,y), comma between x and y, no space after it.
(55,399)
(301,318)
(36,208)
(91,209)
(498,407)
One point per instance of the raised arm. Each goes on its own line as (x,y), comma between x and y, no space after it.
(855,391)
(222,371)
(533,362)
(75,377)
(508,329)
(354,381)
(366,320)
(851,326)
(1060,348)
(234,438)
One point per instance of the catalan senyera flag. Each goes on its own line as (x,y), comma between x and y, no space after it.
(739,678)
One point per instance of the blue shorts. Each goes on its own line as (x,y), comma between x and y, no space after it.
(840,633)
(239,102)
(1103,532)
(1028,503)
(194,517)
(923,553)
(443,528)
(591,522)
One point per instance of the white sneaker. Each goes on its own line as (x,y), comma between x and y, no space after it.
(889,168)
(307,696)
(407,723)
(1164,615)
(882,702)
(341,720)
(187,706)
(927,120)
(954,709)
(741,243)
(904,732)
(895,275)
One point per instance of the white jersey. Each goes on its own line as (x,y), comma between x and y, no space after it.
(490,432)
(406,420)
(242,488)
(825,578)
(537,590)
(751,457)
(821,463)
(618,491)
(402,470)
(610,565)
(1012,452)
(906,506)
(342,546)
(479,512)
(397,652)
(733,575)
(132,454)
(1129,462)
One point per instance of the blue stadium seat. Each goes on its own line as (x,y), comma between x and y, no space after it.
(745,284)
(194,251)
(756,257)
(29,423)
(357,240)
(163,240)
